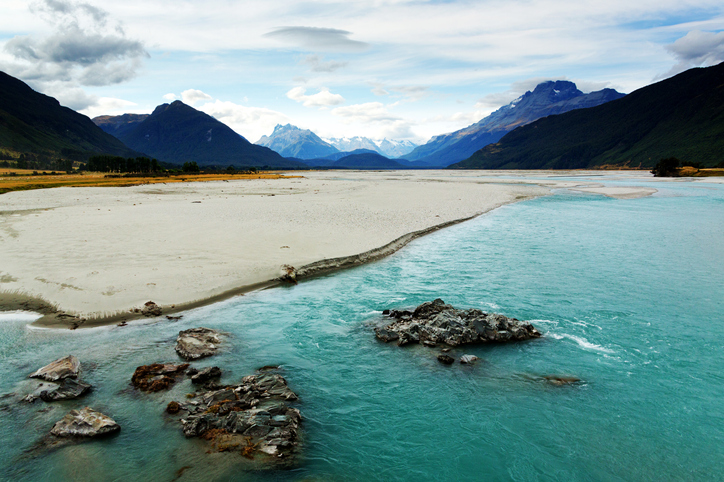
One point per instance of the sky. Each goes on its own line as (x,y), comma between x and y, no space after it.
(383,68)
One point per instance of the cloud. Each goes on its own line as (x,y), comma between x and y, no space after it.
(696,49)
(192,96)
(250,122)
(376,113)
(324,98)
(317,64)
(318,39)
(107,106)
(170,96)
(80,50)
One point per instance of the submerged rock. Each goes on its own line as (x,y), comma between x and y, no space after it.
(157,377)
(205,375)
(66,367)
(560,380)
(466,359)
(197,343)
(435,322)
(445,359)
(68,389)
(251,418)
(85,422)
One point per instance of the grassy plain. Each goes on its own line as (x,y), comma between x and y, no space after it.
(23,179)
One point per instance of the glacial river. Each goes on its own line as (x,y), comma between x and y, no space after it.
(629,295)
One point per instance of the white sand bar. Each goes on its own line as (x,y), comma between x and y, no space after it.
(95,251)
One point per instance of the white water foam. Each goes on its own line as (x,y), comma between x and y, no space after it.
(582,342)
(27,316)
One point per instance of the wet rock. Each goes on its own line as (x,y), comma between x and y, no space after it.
(445,359)
(85,422)
(465,359)
(68,389)
(206,374)
(560,380)
(197,343)
(173,407)
(151,309)
(436,322)
(66,367)
(157,377)
(251,418)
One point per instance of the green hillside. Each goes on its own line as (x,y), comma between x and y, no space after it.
(35,124)
(679,117)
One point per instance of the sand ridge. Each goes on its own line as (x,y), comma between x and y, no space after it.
(99,251)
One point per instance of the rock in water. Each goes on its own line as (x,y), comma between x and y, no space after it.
(85,422)
(66,367)
(68,389)
(251,418)
(197,343)
(206,374)
(157,377)
(465,359)
(436,322)
(446,359)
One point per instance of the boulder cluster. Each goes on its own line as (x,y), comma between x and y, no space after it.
(251,417)
(435,322)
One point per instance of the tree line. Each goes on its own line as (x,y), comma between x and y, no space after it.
(105,163)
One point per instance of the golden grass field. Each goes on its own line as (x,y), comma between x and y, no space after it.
(23,179)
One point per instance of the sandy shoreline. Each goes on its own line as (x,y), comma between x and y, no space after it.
(88,256)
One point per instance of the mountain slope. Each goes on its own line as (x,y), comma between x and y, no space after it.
(178,133)
(366,161)
(548,98)
(117,125)
(291,141)
(679,117)
(34,123)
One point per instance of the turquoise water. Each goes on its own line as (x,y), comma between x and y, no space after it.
(628,293)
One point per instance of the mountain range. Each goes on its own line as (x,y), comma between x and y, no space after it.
(291,141)
(178,133)
(34,123)
(548,98)
(681,117)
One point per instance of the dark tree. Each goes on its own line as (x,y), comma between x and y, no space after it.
(666,167)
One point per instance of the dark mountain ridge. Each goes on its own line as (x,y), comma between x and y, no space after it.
(34,123)
(178,133)
(681,117)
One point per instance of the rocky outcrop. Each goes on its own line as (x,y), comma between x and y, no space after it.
(85,422)
(252,418)
(204,375)
(68,389)
(157,377)
(435,322)
(66,367)
(197,343)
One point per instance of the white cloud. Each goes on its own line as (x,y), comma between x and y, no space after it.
(250,122)
(696,49)
(318,64)
(192,96)
(324,98)
(170,97)
(108,106)
(317,39)
(376,113)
